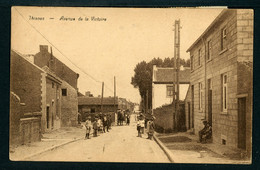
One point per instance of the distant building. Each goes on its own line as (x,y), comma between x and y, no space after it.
(162,85)
(91,105)
(222,81)
(69,90)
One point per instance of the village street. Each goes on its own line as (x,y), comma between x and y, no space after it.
(121,144)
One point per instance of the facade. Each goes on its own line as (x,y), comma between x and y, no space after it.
(51,103)
(162,92)
(221,79)
(38,89)
(68,87)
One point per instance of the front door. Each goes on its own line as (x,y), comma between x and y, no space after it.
(189,116)
(48,116)
(242,123)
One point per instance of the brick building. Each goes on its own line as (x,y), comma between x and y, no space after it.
(69,79)
(221,79)
(39,90)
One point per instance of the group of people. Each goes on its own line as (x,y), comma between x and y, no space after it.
(123,116)
(101,123)
(141,125)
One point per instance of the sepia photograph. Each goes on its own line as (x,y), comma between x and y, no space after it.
(131,85)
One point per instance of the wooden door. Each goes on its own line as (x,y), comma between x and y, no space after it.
(242,123)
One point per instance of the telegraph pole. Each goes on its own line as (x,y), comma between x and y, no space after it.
(114,94)
(102,96)
(176,86)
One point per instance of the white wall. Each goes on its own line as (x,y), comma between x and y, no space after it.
(159,94)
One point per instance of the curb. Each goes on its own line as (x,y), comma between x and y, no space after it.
(165,150)
(50,148)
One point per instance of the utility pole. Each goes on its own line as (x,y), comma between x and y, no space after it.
(114,94)
(102,96)
(176,86)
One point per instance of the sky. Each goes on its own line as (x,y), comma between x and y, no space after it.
(100,49)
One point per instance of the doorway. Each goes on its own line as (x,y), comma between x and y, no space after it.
(242,123)
(48,116)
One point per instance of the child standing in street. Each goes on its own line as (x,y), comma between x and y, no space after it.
(88,127)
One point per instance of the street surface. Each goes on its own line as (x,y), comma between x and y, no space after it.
(121,144)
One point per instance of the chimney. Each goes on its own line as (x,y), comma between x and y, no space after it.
(43,48)
(87,94)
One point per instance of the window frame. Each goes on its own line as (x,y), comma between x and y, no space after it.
(223,43)
(62,92)
(199,57)
(192,62)
(224,92)
(209,49)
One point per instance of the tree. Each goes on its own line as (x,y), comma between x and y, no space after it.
(142,78)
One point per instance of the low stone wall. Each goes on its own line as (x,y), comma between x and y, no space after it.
(30,130)
(164,118)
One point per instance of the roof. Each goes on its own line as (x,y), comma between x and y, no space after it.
(223,12)
(96,101)
(26,59)
(166,75)
(52,74)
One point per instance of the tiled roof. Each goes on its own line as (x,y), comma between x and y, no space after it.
(164,75)
(96,101)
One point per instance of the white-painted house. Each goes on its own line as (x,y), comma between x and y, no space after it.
(163,85)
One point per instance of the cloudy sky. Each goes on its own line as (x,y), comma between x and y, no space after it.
(111,46)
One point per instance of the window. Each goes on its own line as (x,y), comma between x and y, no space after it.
(224,92)
(209,50)
(199,56)
(223,38)
(200,96)
(169,91)
(64,92)
(191,62)
(52,85)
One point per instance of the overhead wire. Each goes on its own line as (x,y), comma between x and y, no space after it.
(93,78)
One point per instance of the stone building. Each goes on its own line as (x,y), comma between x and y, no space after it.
(69,90)
(221,79)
